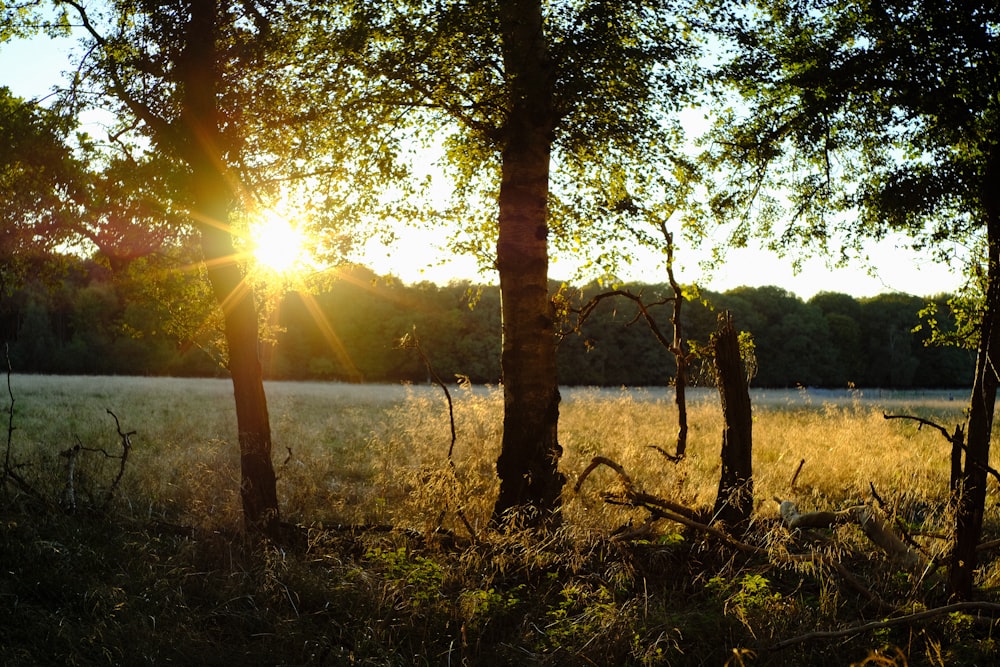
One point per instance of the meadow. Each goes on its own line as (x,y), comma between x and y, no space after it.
(396,565)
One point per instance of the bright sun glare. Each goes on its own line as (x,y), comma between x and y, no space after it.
(278,245)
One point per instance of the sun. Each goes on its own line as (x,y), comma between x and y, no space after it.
(278,246)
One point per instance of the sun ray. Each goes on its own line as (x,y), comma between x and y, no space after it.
(331,337)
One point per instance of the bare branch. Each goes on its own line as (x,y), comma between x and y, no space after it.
(878,625)
(126,439)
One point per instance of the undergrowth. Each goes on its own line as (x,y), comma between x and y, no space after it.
(395,565)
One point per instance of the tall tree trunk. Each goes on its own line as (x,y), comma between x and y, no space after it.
(530,482)
(677,349)
(734,503)
(212,198)
(979,427)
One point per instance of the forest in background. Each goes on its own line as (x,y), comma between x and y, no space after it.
(86,319)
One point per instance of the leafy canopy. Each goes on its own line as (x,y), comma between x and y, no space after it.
(620,71)
(860,118)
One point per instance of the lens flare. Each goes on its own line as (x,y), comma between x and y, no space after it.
(278,245)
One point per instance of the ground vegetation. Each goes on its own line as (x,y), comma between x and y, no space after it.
(385,569)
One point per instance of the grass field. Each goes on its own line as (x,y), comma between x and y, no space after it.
(163,575)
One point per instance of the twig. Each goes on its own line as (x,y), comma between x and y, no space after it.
(10,412)
(126,439)
(957,441)
(410,341)
(9,471)
(673,458)
(878,625)
(798,469)
(876,496)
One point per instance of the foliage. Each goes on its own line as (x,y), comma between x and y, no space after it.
(619,73)
(37,175)
(154,319)
(860,119)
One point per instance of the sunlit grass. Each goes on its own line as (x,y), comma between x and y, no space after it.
(361,453)
(376,456)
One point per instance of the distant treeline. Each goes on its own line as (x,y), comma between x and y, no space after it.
(88,323)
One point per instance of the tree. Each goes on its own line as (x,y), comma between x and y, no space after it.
(37,174)
(178,77)
(871,117)
(512,90)
(734,501)
(887,323)
(843,319)
(240,104)
(199,139)
(791,338)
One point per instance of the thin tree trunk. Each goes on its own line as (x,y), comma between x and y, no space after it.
(972,487)
(212,198)
(530,482)
(677,349)
(734,503)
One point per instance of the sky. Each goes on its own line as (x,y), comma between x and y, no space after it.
(30,68)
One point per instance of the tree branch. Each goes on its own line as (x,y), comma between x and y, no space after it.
(878,625)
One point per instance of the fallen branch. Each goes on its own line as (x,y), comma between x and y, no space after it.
(870,523)
(662,513)
(635,496)
(663,509)
(988,546)
(878,625)
(794,520)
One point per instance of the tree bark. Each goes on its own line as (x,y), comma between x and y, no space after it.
(212,199)
(677,349)
(972,486)
(734,502)
(530,482)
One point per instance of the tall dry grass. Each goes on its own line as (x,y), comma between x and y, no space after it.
(378,455)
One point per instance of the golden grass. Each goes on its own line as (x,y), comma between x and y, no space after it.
(369,454)
(348,454)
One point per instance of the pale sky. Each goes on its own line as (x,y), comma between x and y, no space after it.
(31,68)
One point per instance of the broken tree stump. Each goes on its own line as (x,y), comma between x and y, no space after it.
(734,502)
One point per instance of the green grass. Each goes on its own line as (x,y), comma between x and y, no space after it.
(165,576)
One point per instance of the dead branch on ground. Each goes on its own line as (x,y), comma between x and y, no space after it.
(878,625)
(870,523)
(661,508)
